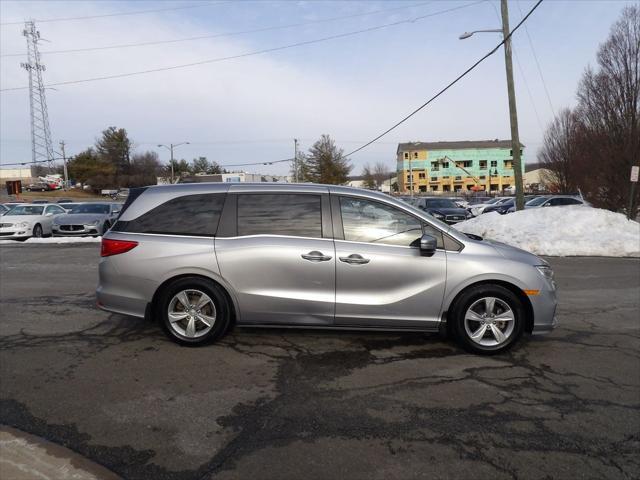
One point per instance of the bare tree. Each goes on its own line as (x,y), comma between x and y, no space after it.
(380,173)
(369,178)
(609,110)
(559,154)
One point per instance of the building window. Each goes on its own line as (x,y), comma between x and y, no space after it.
(511,153)
(482,177)
(408,178)
(434,188)
(415,154)
(467,163)
(435,166)
(505,186)
(483,164)
(423,188)
(508,164)
(434,179)
(445,165)
(422,175)
(494,163)
(445,177)
(406,156)
(446,188)
(458,177)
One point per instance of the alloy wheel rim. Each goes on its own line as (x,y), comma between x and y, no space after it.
(191,313)
(489,321)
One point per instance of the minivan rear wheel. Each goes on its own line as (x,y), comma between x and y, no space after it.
(194,311)
(488,319)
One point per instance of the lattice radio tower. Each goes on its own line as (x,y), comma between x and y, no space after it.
(41,146)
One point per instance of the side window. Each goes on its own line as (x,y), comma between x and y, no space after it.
(374,222)
(433,231)
(554,202)
(572,201)
(291,214)
(186,215)
(54,209)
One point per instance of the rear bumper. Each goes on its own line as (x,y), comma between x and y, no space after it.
(120,293)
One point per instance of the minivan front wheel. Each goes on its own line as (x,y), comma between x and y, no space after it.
(194,311)
(488,319)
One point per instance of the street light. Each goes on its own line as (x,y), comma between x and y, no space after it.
(513,114)
(170,147)
(468,34)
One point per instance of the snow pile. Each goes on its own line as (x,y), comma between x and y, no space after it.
(51,240)
(561,231)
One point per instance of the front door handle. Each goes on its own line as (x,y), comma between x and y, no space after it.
(316,256)
(354,259)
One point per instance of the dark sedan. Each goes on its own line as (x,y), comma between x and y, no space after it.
(443,209)
(507,206)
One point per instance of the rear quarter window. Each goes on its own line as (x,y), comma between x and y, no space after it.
(196,215)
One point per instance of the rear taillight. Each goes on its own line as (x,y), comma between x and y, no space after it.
(116,247)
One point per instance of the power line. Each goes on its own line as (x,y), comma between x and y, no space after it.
(227,34)
(535,57)
(118,14)
(249,54)
(452,83)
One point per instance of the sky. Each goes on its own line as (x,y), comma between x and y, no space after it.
(250,108)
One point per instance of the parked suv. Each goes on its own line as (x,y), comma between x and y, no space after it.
(200,258)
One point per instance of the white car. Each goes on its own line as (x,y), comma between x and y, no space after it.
(26,220)
(479,208)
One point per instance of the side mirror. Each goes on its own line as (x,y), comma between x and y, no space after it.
(428,244)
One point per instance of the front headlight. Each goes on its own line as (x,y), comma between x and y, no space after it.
(95,222)
(547,273)
(438,215)
(22,224)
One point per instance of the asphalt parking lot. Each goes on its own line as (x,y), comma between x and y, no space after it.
(302,404)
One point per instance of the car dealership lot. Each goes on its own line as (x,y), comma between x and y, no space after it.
(295,403)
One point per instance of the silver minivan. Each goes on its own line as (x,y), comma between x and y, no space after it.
(201,258)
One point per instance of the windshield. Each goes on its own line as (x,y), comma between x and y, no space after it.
(536,201)
(100,208)
(441,203)
(26,210)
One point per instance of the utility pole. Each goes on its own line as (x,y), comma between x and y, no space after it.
(171,162)
(410,176)
(64,163)
(295,159)
(513,114)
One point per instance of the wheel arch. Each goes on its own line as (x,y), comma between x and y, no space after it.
(526,303)
(233,305)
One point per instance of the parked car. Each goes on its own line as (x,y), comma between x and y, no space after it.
(479,208)
(86,219)
(64,200)
(508,206)
(39,202)
(555,201)
(28,220)
(3,209)
(38,187)
(199,258)
(443,209)
(478,200)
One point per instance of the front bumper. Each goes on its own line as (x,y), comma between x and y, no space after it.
(75,230)
(8,233)
(544,311)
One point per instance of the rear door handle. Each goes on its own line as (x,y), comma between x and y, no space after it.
(316,256)
(354,259)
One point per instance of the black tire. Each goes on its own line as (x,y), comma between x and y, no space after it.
(474,294)
(215,293)
(37,231)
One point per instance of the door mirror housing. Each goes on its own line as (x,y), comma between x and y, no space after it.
(428,244)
